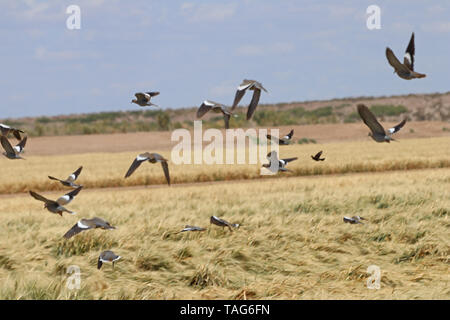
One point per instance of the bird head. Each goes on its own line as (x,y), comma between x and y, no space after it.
(108,226)
(134,101)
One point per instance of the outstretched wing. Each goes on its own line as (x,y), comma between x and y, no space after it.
(153,93)
(289,159)
(240,93)
(76,229)
(369,119)
(73,193)
(252,107)
(165,167)
(397,127)
(290,134)
(393,61)
(237,98)
(136,163)
(408,59)
(40,198)
(260,86)
(53,178)
(204,108)
(16,134)
(318,154)
(7,146)
(22,143)
(192,228)
(75,175)
(219,222)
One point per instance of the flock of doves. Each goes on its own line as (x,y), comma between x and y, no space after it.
(404,70)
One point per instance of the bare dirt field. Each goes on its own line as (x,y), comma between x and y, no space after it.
(148,141)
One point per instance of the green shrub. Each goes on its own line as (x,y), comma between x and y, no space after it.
(163,120)
(387,110)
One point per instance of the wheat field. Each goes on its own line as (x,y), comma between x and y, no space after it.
(292,243)
(102,170)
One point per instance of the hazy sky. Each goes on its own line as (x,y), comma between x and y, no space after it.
(196,50)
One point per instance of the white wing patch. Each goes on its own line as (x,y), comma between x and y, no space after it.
(139,158)
(81,225)
(245,86)
(208,103)
(65,199)
(408,57)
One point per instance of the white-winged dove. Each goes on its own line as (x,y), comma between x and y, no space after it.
(143,98)
(152,158)
(275,165)
(70,181)
(404,70)
(377,131)
(248,85)
(86,224)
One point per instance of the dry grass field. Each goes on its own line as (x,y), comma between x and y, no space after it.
(292,243)
(108,169)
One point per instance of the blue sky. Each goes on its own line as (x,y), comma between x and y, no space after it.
(196,50)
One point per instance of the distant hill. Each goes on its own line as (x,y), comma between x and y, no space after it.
(415,107)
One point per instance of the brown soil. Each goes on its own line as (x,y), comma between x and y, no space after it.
(161,141)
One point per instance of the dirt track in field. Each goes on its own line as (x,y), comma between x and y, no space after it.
(161,141)
(190,184)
